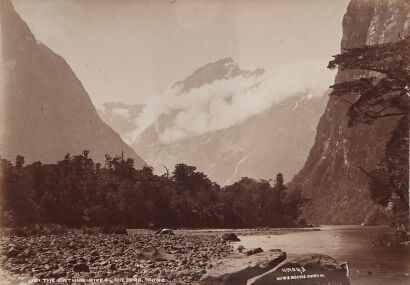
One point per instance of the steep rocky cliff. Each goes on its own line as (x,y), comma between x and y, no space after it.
(47,112)
(331,177)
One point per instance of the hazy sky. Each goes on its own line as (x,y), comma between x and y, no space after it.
(125,50)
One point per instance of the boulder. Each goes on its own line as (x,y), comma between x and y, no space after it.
(308,269)
(230,237)
(253,251)
(241,248)
(165,232)
(81,267)
(71,260)
(151,253)
(112,267)
(236,270)
(12,252)
(58,273)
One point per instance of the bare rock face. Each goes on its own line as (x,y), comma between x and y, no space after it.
(238,269)
(46,110)
(331,177)
(311,269)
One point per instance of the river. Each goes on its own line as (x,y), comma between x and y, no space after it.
(368,265)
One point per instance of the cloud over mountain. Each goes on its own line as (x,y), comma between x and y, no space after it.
(230,98)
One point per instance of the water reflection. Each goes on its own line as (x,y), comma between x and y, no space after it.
(368,265)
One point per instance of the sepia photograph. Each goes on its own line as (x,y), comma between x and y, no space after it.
(209,142)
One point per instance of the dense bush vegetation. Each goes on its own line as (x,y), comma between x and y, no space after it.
(78,192)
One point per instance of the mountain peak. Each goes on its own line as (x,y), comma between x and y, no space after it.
(226,60)
(221,69)
(47,111)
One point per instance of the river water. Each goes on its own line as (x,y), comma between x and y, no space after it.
(368,265)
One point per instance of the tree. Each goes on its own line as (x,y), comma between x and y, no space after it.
(279,186)
(384,95)
(19,161)
(78,192)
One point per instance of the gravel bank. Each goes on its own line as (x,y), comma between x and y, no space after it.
(103,258)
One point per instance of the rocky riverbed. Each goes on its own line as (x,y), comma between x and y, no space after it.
(143,256)
(148,257)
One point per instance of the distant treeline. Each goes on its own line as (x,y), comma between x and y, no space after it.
(78,192)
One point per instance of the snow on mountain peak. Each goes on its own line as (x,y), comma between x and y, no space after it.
(221,69)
